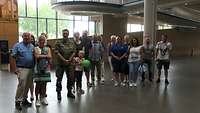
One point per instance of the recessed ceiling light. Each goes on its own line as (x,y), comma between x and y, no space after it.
(186,3)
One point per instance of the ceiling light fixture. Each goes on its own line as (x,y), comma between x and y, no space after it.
(186,3)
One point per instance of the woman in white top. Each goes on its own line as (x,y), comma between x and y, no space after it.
(112,41)
(134,60)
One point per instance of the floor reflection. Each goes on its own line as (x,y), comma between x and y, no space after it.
(180,96)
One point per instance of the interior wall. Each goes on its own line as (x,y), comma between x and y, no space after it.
(9,31)
(113,24)
(9,25)
(186,42)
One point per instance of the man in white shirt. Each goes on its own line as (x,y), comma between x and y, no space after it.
(163,49)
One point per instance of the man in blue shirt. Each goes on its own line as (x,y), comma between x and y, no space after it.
(96,57)
(23,55)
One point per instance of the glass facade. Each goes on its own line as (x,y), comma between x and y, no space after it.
(37,16)
(140,27)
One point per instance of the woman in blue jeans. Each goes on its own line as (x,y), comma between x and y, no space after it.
(134,59)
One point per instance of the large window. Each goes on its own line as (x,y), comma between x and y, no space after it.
(28,25)
(22,8)
(37,16)
(80,26)
(31,9)
(42,26)
(91,28)
(51,29)
(164,26)
(45,11)
(63,24)
(135,28)
(139,27)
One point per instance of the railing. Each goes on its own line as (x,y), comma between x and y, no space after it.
(102,1)
(119,2)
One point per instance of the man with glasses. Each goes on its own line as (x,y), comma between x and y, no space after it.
(23,55)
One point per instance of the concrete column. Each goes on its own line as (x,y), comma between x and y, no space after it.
(99,26)
(12,9)
(150,18)
(114,24)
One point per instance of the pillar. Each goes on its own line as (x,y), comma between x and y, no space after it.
(114,24)
(150,18)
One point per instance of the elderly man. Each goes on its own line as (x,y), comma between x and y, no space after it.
(23,55)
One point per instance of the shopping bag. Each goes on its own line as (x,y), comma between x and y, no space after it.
(143,68)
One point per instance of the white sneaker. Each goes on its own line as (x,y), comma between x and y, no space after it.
(44,101)
(116,84)
(37,103)
(135,84)
(123,84)
(130,84)
(102,79)
(124,81)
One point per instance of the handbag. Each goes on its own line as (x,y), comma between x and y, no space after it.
(143,68)
(44,77)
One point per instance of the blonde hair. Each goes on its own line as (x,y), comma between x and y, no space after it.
(126,36)
(113,36)
(81,51)
(42,37)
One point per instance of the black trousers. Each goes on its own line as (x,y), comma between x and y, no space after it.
(78,78)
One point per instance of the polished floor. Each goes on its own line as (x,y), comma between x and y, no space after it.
(182,95)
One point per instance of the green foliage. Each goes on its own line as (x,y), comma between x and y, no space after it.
(46,19)
(29,23)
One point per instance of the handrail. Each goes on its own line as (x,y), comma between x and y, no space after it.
(119,2)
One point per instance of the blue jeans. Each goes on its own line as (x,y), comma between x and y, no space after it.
(133,71)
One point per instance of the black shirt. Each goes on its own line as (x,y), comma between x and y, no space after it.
(87,45)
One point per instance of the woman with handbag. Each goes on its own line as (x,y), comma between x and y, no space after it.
(135,58)
(42,76)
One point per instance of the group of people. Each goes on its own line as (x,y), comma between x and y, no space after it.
(31,61)
(125,55)
(128,59)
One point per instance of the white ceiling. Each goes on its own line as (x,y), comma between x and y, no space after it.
(186,12)
(179,7)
